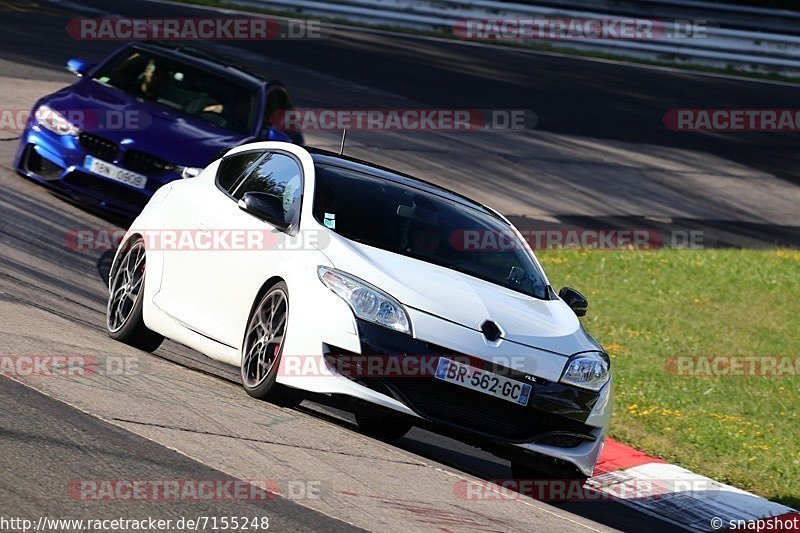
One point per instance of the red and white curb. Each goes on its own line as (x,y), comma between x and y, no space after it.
(686,499)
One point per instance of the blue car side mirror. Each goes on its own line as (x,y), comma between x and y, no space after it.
(79,67)
(272,134)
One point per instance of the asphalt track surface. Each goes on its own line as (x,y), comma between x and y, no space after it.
(600,155)
(72,445)
(178,415)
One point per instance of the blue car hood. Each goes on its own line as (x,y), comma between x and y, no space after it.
(160,131)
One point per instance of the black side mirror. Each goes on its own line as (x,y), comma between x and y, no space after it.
(79,67)
(266,207)
(575,300)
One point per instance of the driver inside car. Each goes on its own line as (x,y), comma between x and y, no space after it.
(152,80)
(423,240)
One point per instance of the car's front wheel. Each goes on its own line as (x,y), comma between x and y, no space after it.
(124,319)
(263,347)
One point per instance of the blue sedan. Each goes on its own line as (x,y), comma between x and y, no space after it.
(147,115)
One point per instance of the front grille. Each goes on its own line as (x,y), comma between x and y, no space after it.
(467,409)
(97,146)
(553,409)
(107,190)
(145,163)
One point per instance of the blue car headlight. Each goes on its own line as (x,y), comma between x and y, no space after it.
(366,301)
(54,121)
(586,370)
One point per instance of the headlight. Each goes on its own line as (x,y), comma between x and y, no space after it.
(586,370)
(367,302)
(54,121)
(188,172)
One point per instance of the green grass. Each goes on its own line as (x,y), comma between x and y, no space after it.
(645,307)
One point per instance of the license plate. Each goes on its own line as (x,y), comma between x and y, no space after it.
(483,381)
(113,172)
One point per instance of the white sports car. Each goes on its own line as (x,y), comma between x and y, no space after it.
(316,272)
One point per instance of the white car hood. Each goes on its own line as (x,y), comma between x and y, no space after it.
(463,299)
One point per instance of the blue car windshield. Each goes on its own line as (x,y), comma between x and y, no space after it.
(417,223)
(185,88)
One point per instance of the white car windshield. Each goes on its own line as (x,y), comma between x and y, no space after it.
(415,222)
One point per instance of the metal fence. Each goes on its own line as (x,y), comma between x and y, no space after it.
(747,38)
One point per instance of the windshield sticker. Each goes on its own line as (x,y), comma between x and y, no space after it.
(330,220)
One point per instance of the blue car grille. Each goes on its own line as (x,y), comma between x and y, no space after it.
(145,163)
(98,146)
(134,160)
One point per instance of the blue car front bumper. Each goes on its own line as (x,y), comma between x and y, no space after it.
(58,162)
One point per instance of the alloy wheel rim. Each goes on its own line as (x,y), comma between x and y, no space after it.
(264,338)
(126,284)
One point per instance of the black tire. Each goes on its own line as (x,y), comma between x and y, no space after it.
(124,319)
(265,387)
(383,426)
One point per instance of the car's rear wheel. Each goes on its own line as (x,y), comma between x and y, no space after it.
(383,426)
(124,318)
(263,347)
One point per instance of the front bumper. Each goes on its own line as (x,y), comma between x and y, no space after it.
(57,162)
(561,423)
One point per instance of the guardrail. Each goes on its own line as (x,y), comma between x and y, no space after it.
(744,49)
(732,16)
